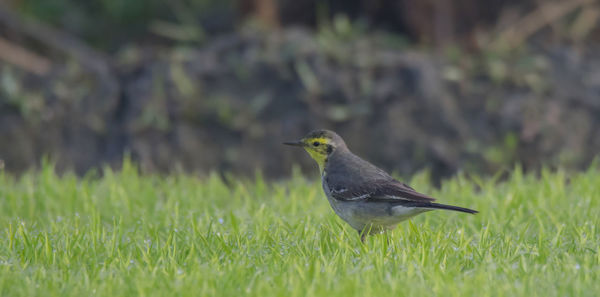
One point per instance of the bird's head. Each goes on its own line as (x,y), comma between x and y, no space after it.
(320,144)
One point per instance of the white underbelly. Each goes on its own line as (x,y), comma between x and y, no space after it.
(379,216)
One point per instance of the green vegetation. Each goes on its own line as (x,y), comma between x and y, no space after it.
(180,20)
(124,234)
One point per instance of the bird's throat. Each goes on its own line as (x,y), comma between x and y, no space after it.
(321,159)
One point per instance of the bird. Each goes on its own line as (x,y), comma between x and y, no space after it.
(366,197)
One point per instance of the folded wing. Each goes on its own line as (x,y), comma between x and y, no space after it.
(383,191)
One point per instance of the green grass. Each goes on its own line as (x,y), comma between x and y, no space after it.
(125,234)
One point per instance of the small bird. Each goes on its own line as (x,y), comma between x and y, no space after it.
(363,195)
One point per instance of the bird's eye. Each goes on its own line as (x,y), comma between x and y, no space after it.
(316,143)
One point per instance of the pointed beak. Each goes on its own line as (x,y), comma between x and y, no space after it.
(294,143)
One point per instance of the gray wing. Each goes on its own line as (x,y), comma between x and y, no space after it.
(388,190)
(352,179)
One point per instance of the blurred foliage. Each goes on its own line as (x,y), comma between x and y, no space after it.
(473,24)
(207,84)
(109,23)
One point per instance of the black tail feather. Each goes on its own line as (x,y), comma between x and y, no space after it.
(432,205)
(449,207)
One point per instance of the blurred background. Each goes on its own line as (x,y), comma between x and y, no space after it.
(201,85)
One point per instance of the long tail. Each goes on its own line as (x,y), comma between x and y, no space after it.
(432,205)
(448,207)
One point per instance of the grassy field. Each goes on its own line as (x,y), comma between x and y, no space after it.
(129,235)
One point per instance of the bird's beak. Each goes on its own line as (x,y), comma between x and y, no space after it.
(294,143)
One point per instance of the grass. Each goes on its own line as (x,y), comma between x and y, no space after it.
(124,234)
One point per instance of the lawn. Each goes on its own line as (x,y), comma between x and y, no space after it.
(126,234)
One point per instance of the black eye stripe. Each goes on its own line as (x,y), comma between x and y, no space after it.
(316,143)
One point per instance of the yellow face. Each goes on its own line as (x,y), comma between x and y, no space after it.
(318,148)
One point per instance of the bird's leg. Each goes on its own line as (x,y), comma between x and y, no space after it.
(363,234)
(366,230)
